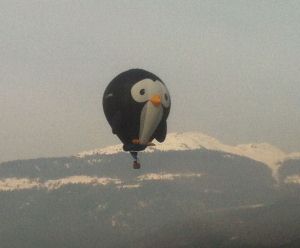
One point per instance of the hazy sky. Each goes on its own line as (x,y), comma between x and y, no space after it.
(232,67)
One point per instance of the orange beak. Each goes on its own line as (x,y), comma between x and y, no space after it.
(155,100)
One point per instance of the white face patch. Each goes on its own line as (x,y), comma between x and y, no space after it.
(151,115)
(143,90)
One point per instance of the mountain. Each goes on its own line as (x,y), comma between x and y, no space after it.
(262,152)
(192,191)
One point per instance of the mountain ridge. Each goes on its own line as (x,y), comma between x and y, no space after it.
(266,153)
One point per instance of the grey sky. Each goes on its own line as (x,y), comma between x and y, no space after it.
(232,67)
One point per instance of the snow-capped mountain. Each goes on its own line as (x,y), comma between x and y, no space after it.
(262,152)
(190,177)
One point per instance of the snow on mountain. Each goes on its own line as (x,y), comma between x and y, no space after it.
(109,150)
(293,179)
(14,183)
(173,142)
(262,152)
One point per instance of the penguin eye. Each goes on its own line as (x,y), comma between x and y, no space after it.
(166,100)
(142,92)
(166,97)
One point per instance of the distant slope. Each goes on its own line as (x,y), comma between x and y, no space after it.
(262,152)
(189,197)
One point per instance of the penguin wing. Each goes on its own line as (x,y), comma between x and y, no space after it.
(116,122)
(161,131)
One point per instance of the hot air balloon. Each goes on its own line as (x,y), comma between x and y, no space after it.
(136,105)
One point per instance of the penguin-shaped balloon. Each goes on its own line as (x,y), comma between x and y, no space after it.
(136,104)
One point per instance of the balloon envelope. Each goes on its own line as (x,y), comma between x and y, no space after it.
(136,104)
